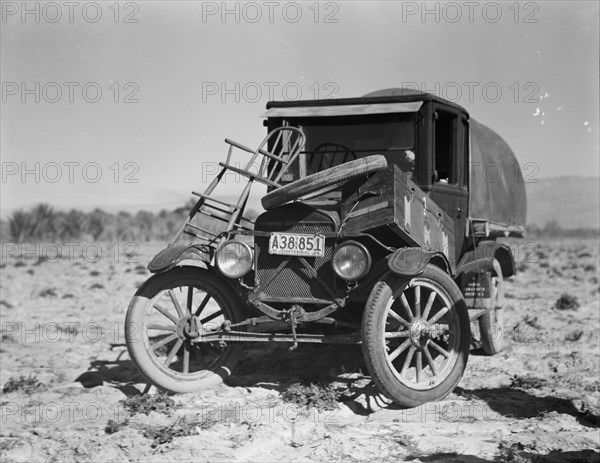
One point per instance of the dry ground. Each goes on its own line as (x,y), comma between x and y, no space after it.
(62,330)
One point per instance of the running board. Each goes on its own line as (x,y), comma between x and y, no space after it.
(242,336)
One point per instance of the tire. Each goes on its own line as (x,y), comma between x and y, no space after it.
(412,339)
(325,180)
(163,362)
(491,323)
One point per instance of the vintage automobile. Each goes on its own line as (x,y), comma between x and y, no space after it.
(381,221)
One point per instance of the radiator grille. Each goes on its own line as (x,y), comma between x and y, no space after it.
(294,280)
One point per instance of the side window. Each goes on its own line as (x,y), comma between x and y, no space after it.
(445,147)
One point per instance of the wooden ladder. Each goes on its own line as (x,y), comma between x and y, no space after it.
(286,144)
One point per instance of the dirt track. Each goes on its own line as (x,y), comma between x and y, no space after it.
(62,322)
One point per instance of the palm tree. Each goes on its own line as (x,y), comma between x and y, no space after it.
(20,225)
(96,223)
(44,222)
(145,223)
(72,225)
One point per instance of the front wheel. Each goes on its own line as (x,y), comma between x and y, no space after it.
(416,336)
(165,316)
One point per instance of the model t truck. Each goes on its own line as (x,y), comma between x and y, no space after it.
(382,214)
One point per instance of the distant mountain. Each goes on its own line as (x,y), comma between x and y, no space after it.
(573,202)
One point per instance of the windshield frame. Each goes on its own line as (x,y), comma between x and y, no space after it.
(379,132)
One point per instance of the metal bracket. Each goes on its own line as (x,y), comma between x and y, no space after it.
(292,316)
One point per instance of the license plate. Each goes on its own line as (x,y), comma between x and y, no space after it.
(295,244)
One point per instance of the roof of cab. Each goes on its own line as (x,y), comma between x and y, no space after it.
(388,95)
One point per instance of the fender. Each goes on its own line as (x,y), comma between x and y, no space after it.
(407,262)
(170,257)
(484,254)
(412,261)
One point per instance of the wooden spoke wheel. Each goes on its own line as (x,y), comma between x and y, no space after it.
(416,337)
(165,317)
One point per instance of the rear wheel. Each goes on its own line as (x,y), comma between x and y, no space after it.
(416,337)
(491,324)
(164,318)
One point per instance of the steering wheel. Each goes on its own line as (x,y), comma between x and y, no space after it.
(334,155)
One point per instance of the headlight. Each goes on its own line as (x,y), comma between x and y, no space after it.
(351,261)
(234,259)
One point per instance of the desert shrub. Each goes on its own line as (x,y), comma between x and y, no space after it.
(8,443)
(140,270)
(556,272)
(27,384)
(511,453)
(590,268)
(114,426)
(527,382)
(94,273)
(522,266)
(180,428)
(41,260)
(574,335)
(528,320)
(97,286)
(71,330)
(48,292)
(320,397)
(541,253)
(527,330)
(566,302)
(8,305)
(533,322)
(7,338)
(146,403)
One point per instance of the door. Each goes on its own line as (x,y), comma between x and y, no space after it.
(449,180)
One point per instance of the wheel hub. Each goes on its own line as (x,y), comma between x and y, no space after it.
(188,327)
(419,333)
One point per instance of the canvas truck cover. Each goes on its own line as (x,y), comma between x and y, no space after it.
(497,190)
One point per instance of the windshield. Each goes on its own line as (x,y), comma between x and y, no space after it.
(331,141)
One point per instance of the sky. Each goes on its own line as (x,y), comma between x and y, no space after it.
(126,105)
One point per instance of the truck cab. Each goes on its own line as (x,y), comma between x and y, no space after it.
(429,140)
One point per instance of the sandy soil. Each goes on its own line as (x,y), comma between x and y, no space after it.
(62,323)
